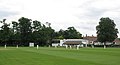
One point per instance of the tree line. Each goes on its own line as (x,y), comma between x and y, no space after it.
(25,31)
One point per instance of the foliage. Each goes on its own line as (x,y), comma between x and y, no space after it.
(106,31)
(25,31)
(5,32)
(70,33)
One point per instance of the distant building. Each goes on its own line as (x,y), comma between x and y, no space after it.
(88,40)
(64,42)
(91,39)
(116,41)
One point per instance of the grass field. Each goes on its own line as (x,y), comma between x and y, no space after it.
(59,56)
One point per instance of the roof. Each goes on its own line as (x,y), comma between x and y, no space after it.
(117,40)
(75,40)
(90,38)
(72,42)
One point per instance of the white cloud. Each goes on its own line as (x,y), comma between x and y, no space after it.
(84,15)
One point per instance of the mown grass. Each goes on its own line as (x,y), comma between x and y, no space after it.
(59,56)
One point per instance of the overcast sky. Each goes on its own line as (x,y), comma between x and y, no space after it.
(84,15)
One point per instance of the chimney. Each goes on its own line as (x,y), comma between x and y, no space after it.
(86,35)
(92,35)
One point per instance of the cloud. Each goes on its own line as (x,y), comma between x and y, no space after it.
(91,14)
(93,10)
(84,15)
(4,14)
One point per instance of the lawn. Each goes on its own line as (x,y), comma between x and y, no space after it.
(59,56)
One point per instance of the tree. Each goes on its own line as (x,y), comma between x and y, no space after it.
(59,34)
(36,37)
(42,35)
(25,30)
(106,31)
(15,27)
(47,34)
(5,32)
(72,33)
(15,33)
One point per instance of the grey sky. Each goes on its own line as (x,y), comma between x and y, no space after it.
(84,15)
(4,13)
